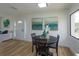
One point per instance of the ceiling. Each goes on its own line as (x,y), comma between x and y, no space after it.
(16,8)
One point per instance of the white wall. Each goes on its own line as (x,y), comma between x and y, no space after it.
(73,43)
(13,18)
(9,35)
(62,25)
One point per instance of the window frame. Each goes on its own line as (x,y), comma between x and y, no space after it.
(70,24)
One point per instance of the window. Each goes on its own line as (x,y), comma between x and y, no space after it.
(74,17)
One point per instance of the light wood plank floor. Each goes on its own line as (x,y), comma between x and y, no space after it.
(24,48)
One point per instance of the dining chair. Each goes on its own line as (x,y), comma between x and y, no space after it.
(33,35)
(42,48)
(54,43)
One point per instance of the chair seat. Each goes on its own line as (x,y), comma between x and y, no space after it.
(52,46)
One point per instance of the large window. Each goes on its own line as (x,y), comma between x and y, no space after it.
(75,24)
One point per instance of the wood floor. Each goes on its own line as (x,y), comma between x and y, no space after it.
(23,48)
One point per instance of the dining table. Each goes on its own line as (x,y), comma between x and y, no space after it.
(50,39)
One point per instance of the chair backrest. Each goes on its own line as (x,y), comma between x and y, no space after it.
(57,40)
(41,42)
(33,35)
(41,46)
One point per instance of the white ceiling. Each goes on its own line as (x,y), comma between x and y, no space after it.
(14,8)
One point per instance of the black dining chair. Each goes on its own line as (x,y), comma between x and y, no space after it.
(42,48)
(33,35)
(54,43)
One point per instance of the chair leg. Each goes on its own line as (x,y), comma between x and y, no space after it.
(57,51)
(32,48)
(36,51)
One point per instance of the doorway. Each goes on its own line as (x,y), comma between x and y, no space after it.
(20,29)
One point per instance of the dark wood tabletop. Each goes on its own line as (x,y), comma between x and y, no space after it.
(49,40)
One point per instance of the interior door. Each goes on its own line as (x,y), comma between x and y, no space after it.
(20,30)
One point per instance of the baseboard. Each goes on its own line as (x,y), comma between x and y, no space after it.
(6,40)
(22,40)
